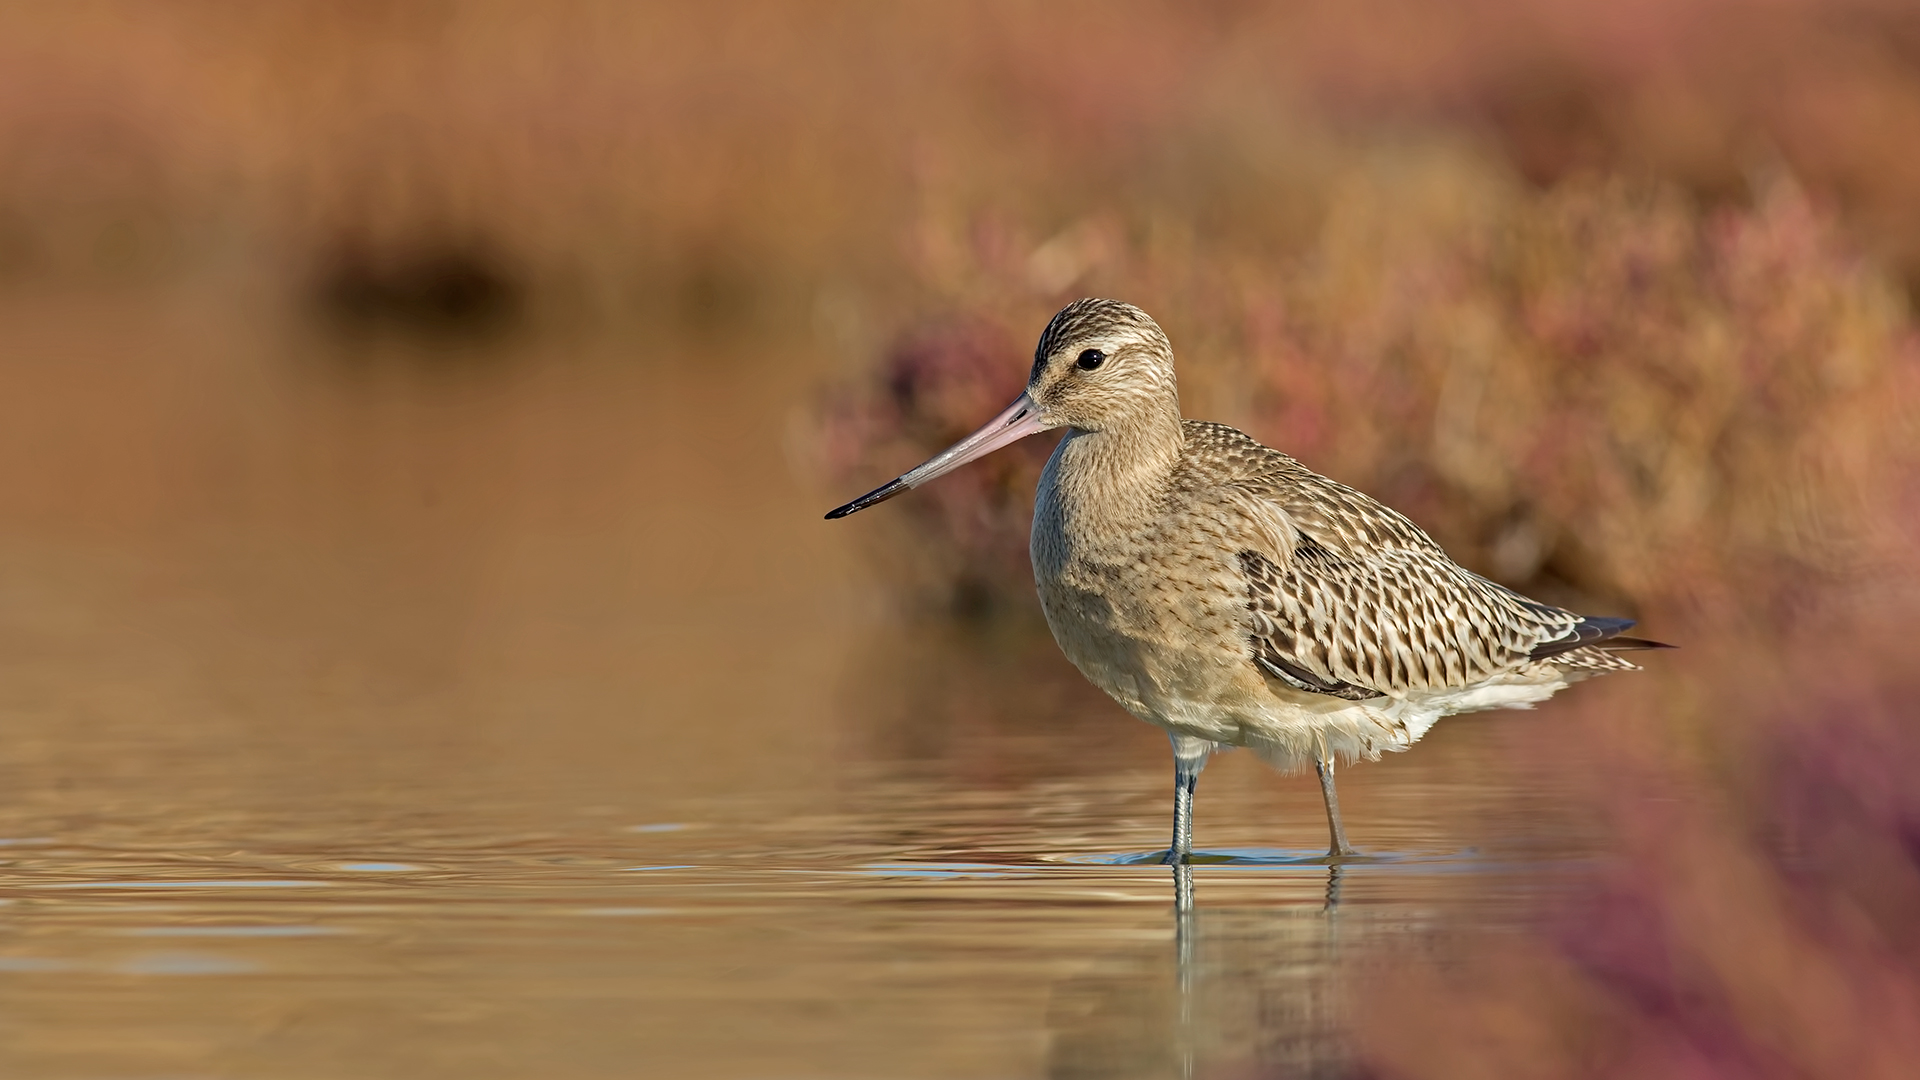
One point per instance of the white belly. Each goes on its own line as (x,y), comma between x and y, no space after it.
(1231,704)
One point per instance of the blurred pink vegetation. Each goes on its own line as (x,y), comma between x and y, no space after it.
(1612,297)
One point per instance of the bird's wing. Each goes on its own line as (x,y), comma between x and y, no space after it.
(1351,599)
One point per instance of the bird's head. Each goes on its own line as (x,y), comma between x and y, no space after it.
(1100,364)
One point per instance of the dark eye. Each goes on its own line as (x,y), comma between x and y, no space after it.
(1091,359)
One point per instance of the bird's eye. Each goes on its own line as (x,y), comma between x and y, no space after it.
(1090,359)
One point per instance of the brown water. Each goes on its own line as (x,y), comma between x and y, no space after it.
(401,710)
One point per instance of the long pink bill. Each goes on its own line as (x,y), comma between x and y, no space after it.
(1019,420)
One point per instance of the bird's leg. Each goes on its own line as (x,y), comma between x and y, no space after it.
(1189,757)
(1339,847)
(1184,779)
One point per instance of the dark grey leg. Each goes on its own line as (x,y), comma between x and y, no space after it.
(1189,757)
(1184,780)
(1339,847)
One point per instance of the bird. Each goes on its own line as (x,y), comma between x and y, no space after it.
(1219,589)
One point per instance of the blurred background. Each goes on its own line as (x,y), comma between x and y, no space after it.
(415,419)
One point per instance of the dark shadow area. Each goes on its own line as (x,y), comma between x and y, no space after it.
(429,288)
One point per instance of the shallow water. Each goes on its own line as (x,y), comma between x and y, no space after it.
(925,930)
(520,718)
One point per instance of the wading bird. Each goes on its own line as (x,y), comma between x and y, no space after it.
(1221,590)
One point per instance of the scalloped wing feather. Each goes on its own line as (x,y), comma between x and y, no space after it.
(1349,598)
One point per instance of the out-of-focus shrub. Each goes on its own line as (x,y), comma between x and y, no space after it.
(1607,387)
(1604,391)
(1754,917)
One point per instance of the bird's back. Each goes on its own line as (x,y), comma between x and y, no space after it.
(1349,598)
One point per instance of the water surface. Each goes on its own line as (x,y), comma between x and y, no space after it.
(367,717)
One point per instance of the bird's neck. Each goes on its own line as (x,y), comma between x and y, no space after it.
(1107,485)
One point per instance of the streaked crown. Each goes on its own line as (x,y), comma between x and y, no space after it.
(1100,363)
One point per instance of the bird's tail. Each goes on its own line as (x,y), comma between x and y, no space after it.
(1631,644)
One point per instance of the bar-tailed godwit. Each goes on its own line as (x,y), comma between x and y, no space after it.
(1221,590)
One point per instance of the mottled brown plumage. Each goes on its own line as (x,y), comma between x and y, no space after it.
(1223,591)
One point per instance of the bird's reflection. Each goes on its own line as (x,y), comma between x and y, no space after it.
(1246,991)
(1183,890)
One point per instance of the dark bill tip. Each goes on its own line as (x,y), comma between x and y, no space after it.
(878,495)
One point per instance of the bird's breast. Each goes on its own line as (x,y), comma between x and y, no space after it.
(1150,609)
(1144,632)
